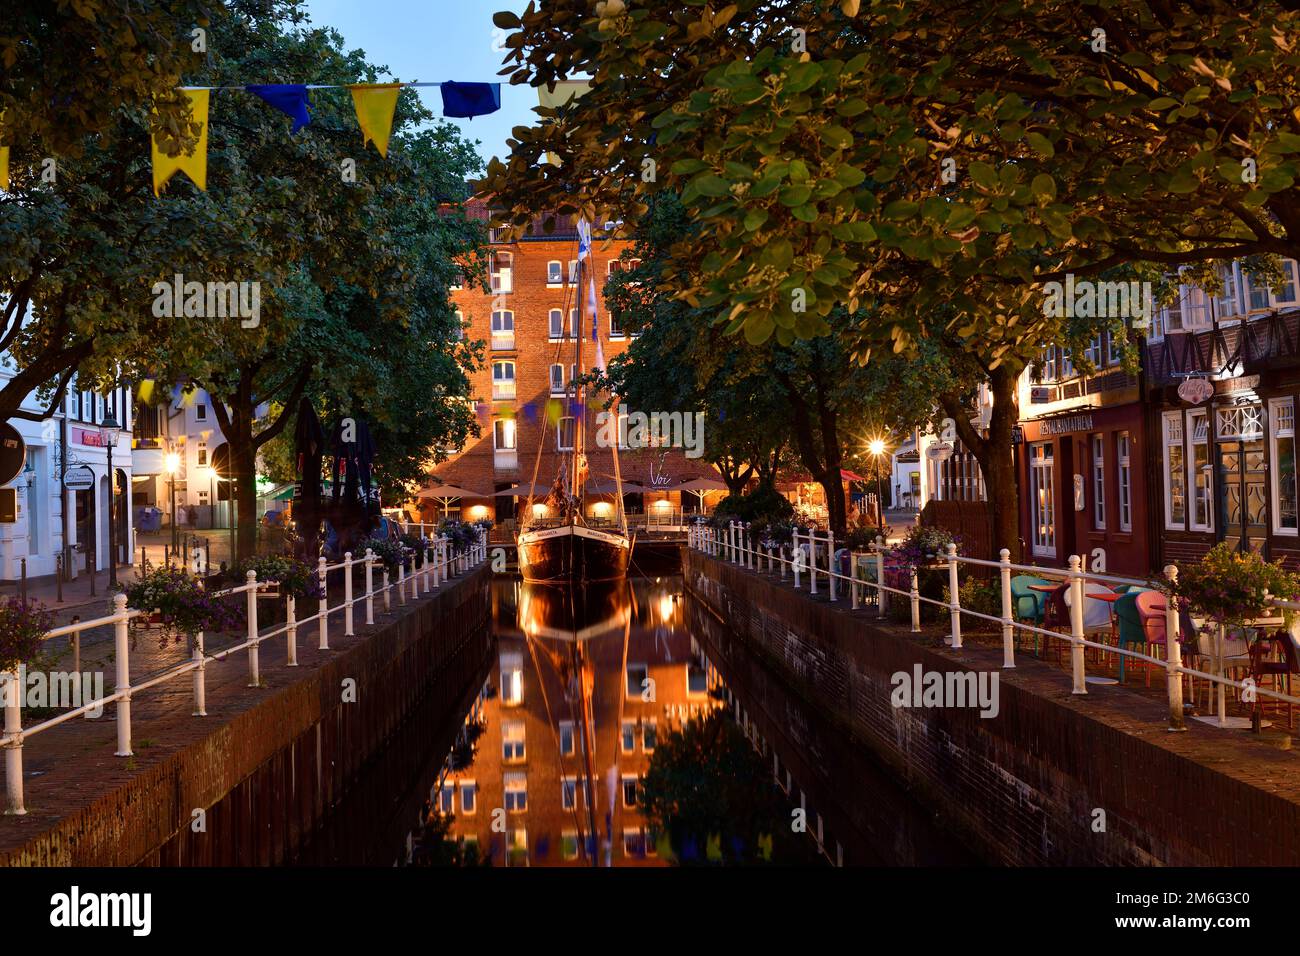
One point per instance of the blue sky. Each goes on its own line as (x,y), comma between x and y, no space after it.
(431,40)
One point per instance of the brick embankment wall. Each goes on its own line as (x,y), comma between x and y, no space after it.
(271,777)
(1023,788)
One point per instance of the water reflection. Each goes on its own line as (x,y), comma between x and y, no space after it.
(586,685)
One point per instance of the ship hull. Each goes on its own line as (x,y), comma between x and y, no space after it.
(573,553)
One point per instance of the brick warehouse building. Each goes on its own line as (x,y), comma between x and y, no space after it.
(527,324)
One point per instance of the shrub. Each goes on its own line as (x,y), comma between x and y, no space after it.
(22,631)
(294,577)
(1231,588)
(185,607)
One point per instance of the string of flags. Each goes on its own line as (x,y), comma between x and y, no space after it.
(374,104)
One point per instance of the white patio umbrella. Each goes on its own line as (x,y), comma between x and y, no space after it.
(700,487)
(446,494)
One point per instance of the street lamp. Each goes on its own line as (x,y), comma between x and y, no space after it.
(877,448)
(109,429)
(172,465)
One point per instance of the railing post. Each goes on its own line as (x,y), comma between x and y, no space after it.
(880,576)
(347,594)
(954,597)
(812,561)
(13,701)
(915,596)
(854,587)
(1008,622)
(796,559)
(370,587)
(1173,654)
(122,655)
(388,589)
(323,608)
(401,579)
(291,630)
(250,601)
(200,677)
(1076,626)
(830,562)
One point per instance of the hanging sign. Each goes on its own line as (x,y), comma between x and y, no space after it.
(13,453)
(1195,390)
(79,478)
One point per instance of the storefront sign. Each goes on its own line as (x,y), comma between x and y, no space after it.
(1195,390)
(940,451)
(79,478)
(87,437)
(1071,423)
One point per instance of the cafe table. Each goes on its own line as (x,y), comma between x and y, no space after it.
(1221,719)
(1107,595)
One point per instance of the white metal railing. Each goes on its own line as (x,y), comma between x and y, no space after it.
(440,563)
(735,544)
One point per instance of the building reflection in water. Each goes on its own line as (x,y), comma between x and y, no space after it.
(585,683)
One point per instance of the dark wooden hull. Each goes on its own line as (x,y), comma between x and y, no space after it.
(572,553)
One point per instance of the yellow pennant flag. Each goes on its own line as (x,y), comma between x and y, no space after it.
(565,91)
(194,163)
(375,103)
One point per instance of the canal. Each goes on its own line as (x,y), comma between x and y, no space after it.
(625,726)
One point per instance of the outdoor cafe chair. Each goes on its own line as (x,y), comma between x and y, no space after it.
(1029,605)
(1128,625)
(1097,614)
(1236,657)
(1279,666)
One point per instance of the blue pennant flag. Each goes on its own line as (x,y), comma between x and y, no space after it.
(467,100)
(530,412)
(289,98)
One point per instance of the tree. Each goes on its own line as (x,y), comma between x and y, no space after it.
(354,265)
(940,161)
(699,791)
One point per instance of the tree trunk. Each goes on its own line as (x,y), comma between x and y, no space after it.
(836,506)
(242,466)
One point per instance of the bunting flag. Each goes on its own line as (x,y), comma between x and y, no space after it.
(375,103)
(554,411)
(584,255)
(467,100)
(564,93)
(289,98)
(530,412)
(194,163)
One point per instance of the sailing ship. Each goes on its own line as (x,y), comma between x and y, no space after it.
(559,543)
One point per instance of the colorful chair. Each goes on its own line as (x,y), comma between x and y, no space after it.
(1027,604)
(1128,624)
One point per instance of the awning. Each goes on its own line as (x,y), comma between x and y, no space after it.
(850,476)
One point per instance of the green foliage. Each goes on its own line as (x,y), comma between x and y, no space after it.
(294,577)
(433,844)
(1231,588)
(185,607)
(706,783)
(22,632)
(764,504)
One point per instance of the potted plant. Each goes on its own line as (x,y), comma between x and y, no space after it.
(178,602)
(389,553)
(22,632)
(1231,589)
(925,551)
(281,574)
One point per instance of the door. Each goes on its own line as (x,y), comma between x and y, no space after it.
(85,527)
(1243,496)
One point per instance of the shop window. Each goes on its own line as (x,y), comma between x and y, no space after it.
(1200,480)
(1122,452)
(1099,481)
(1175,472)
(1043,501)
(1281,415)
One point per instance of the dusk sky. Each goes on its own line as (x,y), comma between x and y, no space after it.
(432,40)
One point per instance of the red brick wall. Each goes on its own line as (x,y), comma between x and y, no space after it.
(531,301)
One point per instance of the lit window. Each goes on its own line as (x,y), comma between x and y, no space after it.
(513,749)
(516,785)
(1202,517)
(503,329)
(1175,471)
(1043,498)
(564,433)
(517,846)
(502,272)
(1281,415)
(503,434)
(1099,482)
(1125,482)
(512,679)
(569,844)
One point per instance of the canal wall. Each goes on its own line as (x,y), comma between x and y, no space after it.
(1053,779)
(270,779)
